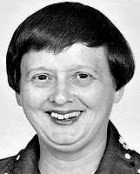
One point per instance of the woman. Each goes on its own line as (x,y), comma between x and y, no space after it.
(68,64)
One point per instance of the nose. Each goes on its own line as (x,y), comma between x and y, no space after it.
(62,94)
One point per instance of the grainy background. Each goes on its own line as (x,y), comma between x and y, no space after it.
(15,131)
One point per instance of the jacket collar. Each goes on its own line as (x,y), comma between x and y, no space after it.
(110,163)
(113,160)
(29,157)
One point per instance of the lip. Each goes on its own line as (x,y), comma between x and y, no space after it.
(62,112)
(65,121)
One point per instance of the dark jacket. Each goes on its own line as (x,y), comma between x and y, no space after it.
(117,158)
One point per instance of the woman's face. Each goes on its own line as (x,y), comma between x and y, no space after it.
(68,96)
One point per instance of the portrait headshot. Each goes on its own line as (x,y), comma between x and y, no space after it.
(70,87)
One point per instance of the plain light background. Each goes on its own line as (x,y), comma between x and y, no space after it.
(15,131)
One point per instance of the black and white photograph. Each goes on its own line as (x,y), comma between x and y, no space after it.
(70,87)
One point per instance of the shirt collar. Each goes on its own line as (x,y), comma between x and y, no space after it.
(29,157)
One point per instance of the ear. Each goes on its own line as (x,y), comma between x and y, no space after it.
(118,95)
(18,98)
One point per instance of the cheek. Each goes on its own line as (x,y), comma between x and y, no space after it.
(91,96)
(95,97)
(33,98)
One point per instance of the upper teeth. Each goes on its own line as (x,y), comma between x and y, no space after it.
(65,116)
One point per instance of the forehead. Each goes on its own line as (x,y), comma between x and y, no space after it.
(75,56)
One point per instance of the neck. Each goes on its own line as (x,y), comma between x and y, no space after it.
(83,161)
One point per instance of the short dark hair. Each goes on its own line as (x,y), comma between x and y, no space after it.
(61,25)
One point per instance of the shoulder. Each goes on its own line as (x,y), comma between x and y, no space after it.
(24,162)
(14,164)
(7,164)
(128,158)
(118,157)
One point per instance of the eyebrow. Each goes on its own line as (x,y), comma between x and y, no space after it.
(75,67)
(41,68)
(72,68)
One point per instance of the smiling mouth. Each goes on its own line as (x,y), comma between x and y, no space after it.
(64,118)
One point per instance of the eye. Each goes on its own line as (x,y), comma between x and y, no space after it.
(83,78)
(41,79)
